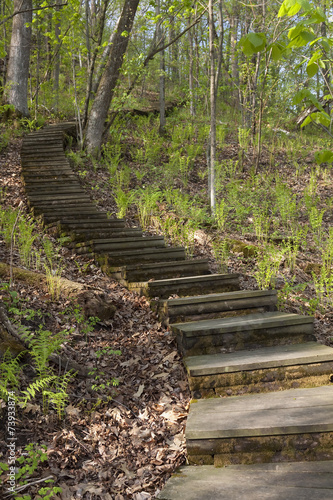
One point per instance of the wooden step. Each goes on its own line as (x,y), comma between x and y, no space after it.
(187,285)
(266,369)
(275,481)
(250,331)
(138,256)
(42,183)
(59,160)
(87,224)
(144,272)
(83,235)
(60,198)
(217,305)
(290,425)
(112,245)
(59,217)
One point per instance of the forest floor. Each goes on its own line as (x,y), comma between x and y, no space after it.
(116,442)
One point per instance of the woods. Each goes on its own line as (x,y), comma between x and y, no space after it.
(154,155)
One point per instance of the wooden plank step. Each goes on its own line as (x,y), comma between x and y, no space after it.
(266,369)
(291,425)
(46,152)
(187,285)
(140,256)
(80,207)
(82,235)
(82,225)
(40,184)
(59,217)
(111,245)
(215,305)
(44,167)
(275,481)
(251,331)
(51,176)
(56,190)
(62,197)
(160,270)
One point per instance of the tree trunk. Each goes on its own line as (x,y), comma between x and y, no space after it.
(212,135)
(100,108)
(160,40)
(56,71)
(19,58)
(190,73)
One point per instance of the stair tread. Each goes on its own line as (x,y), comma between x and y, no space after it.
(283,481)
(192,279)
(295,411)
(240,294)
(266,357)
(177,263)
(234,324)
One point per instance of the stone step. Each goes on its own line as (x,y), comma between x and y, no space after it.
(138,256)
(275,481)
(217,305)
(111,245)
(160,270)
(187,285)
(250,331)
(283,426)
(266,369)
(82,235)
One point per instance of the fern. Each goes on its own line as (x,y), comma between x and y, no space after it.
(10,369)
(35,387)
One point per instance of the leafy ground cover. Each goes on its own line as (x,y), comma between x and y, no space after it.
(122,429)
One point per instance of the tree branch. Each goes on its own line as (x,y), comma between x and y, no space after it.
(30,10)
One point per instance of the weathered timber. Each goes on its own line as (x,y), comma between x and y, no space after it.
(160,270)
(110,245)
(187,286)
(215,305)
(276,481)
(250,331)
(260,370)
(142,255)
(83,235)
(230,430)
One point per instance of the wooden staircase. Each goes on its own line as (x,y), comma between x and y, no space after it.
(262,394)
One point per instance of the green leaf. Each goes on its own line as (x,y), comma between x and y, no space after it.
(325,156)
(292,7)
(253,43)
(312,69)
(277,50)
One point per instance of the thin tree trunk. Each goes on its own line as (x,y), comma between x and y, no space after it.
(190,73)
(56,73)
(100,108)
(212,108)
(160,37)
(19,58)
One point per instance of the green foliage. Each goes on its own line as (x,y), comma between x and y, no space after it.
(28,462)
(146,202)
(268,263)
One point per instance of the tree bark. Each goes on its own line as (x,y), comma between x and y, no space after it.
(212,135)
(100,108)
(19,58)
